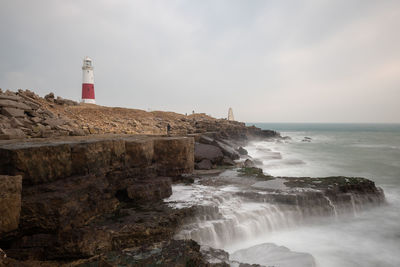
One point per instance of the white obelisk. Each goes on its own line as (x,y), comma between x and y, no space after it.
(230,115)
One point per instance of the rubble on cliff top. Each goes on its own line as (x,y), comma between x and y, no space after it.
(24,114)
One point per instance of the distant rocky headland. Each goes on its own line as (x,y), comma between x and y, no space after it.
(83,185)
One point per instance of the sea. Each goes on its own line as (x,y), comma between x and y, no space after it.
(274,235)
(372,238)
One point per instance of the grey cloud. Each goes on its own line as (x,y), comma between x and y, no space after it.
(324,61)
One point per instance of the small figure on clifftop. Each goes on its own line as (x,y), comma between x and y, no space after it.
(169,129)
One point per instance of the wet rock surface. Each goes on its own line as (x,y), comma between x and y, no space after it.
(239,205)
(272,255)
(168,253)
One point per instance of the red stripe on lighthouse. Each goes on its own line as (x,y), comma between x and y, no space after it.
(87,91)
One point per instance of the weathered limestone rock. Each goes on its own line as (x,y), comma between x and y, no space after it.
(206,140)
(50,160)
(249,164)
(242,151)
(139,153)
(10,97)
(174,155)
(228,161)
(168,253)
(62,101)
(10,202)
(126,227)
(13,104)
(49,97)
(148,191)
(227,149)
(204,164)
(210,152)
(7,134)
(37,163)
(72,187)
(12,112)
(66,203)
(97,156)
(53,122)
(269,254)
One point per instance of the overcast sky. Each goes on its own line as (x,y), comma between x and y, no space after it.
(271,61)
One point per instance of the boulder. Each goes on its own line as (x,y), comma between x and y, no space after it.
(204,164)
(227,149)
(53,122)
(228,161)
(17,122)
(14,104)
(12,112)
(210,152)
(10,97)
(77,132)
(249,164)
(67,102)
(216,256)
(36,119)
(49,97)
(242,151)
(14,133)
(206,140)
(10,202)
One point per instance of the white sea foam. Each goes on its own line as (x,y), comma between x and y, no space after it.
(365,238)
(368,238)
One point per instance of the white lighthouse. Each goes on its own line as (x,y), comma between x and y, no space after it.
(87,81)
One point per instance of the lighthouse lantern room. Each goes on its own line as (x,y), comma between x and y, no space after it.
(87,81)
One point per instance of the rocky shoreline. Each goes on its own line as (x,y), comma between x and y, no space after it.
(80,193)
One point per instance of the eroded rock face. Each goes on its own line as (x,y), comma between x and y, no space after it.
(65,204)
(174,155)
(76,191)
(10,203)
(50,160)
(149,191)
